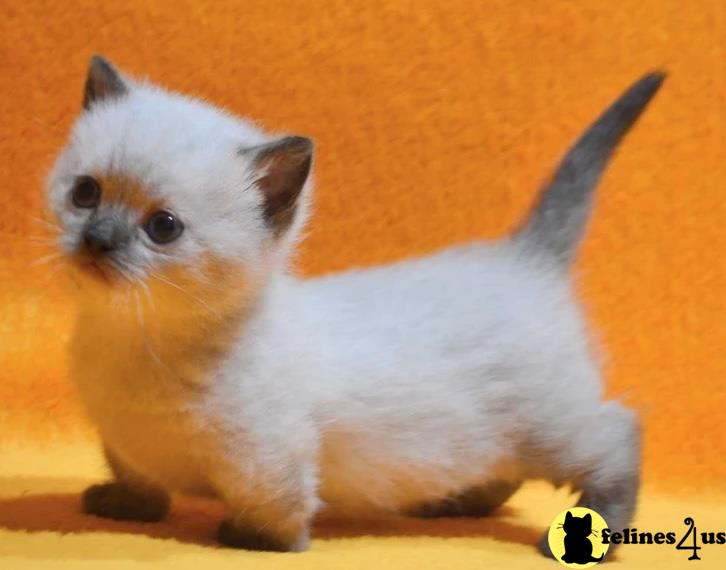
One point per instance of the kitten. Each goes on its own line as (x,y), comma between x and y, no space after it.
(433,386)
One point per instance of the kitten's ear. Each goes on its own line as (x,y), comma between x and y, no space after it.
(568,517)
(588,518)
(102,82)
(283,167)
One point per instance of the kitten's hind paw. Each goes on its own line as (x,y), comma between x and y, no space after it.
(544,546)
(120,502)
(234,536)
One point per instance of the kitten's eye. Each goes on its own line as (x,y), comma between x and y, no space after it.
(86,192)
(163,227)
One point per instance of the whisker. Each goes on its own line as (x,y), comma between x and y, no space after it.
(53,273)
(147,293)
(121,271)
(146,340)
(46,259)
(190,295)
(154,356)
(142,325)
(127,304)
(118,301)
(41,291)
(46,223)
(139,310)
(28,239)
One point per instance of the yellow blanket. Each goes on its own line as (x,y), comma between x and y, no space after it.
(435,123)
(41,526)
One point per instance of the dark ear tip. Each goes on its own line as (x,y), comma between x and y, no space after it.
(102,81)
(98,61)
(298,145)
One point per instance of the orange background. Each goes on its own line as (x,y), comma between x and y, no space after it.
(435,123)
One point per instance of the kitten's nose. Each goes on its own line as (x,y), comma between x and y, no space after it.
(105,234)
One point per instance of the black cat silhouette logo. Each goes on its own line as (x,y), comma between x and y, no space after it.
(574,537)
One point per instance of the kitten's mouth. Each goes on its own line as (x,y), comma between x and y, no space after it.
(95,269)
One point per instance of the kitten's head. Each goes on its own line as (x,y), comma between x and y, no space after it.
(578,526)
(167,193)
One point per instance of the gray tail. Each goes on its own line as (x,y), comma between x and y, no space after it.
(557,221)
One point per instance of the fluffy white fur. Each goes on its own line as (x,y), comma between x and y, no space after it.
(384,389)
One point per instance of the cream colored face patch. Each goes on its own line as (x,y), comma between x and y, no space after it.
(116,189)
(127,233)
(212,286)
(191,302)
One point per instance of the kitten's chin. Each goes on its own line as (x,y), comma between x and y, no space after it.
(96,272)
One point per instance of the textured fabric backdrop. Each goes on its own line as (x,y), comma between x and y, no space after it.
(435,124)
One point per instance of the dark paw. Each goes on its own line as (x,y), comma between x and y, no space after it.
(249,539)
(544,547)
(119,502)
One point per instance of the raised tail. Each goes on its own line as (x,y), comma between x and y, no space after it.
(557,221)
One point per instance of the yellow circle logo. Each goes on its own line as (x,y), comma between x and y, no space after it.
(575,538)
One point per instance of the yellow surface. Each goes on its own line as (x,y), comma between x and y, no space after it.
(41,527)
(435,122)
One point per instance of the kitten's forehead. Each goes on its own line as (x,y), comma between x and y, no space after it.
(151,136)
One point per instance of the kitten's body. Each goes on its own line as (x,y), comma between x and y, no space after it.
(384,389)
(402,376)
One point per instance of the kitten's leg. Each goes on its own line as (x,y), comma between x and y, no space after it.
(130,497)
(479,501)
(610,483)
(273,514)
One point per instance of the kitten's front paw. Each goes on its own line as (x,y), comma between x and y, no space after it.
(230,534)
(118,501)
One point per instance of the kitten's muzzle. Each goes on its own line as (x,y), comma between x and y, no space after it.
(105,234)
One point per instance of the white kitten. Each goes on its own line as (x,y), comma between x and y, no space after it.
(432,386)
